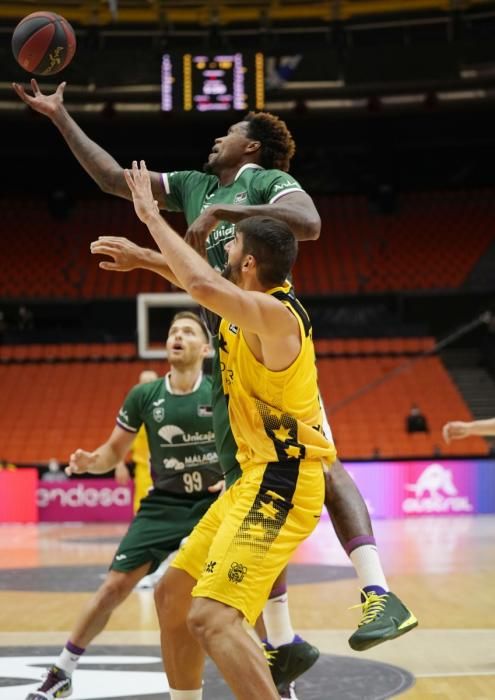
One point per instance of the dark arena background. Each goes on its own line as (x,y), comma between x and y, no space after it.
(392,107)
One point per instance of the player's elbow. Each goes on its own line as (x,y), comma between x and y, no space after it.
(313,227)
(309,226)
(113,182)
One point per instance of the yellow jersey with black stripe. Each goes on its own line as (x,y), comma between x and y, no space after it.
(275,416)
(143,482)
(140,450)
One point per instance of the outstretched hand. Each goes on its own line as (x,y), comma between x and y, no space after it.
(198,232)
(48,105)
(218,487)
(138,180)
(80,462)
(126,254)
(455,430)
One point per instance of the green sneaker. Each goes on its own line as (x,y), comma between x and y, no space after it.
(290,661)
(384,617)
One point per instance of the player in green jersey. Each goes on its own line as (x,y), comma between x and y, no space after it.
(176,412)
(245,175)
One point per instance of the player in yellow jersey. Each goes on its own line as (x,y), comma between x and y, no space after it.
(236,552)
(140,453)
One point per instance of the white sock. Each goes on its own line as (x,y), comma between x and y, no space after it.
(186,694)
(68,661)
(368,567)
(276,617)
(325,425)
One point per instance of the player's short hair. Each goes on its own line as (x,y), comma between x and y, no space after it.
(277,144)
(272,244)
(193,317)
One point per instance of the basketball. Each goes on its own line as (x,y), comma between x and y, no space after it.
(43,43)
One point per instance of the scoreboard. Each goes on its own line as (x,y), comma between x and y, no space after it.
(213,82)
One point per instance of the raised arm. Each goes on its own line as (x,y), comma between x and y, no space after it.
(295,208)
(104,458)
(127,256)
(254,312)
(100,165)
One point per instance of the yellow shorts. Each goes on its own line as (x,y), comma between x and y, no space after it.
(249,534)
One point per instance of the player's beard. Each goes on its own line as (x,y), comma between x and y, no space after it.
(210,168)
(232,272)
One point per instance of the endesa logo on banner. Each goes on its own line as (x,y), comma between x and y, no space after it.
(86,500)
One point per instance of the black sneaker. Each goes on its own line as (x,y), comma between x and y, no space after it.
(56,684)
(288,692)
(290,661)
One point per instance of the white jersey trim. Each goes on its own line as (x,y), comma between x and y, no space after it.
(284,192)
(196,386)
(166,183)
(126,427)
(246,166)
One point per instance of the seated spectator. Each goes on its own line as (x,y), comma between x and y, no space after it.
(24,318)
(55,471)
(415,421)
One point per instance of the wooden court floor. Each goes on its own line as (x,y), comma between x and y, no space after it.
(444,568)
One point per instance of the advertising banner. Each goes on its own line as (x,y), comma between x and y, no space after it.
(426,487)
(84,500)
(18,496)
(485,486)
(391,489)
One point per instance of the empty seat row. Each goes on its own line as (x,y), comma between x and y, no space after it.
(65,351)
(368,399)
(93,351)
(52,408)
(432,241)
(371,346)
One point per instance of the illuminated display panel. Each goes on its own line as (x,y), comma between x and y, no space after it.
(212,82)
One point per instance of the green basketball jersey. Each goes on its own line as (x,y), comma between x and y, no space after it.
(179,428)
(226,445)
(192,192)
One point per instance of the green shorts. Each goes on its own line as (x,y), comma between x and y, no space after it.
(158,528)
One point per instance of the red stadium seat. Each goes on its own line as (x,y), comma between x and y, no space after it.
(432,242)
(375,420)
(42,407)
